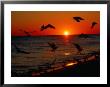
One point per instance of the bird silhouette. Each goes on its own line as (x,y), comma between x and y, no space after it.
(78,19)
(18,50)
(27,33)
(78,47)
(53,46)
(46,27)
(93,24)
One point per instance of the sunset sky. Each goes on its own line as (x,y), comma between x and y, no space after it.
(62,20)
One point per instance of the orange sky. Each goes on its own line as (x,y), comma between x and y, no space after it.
(62,20)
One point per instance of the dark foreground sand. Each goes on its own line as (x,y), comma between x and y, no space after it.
(88,67)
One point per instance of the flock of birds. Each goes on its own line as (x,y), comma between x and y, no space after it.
(52,45)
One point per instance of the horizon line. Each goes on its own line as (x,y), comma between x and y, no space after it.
(53,35)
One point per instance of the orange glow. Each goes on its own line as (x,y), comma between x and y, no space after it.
(70,64)
(62,21)
(66,33)
(66,54)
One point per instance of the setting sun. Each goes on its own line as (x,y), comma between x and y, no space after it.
(66,33)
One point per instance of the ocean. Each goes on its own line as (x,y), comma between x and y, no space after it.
(40,51)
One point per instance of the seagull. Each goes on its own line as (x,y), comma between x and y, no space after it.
(78,47)
(18,50)
(93,24)
(27,33)
(53,46)
(78,19)
(47,26)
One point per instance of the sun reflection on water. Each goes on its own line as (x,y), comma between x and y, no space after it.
(71,63)
(66,54)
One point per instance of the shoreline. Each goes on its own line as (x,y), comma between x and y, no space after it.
(89,66)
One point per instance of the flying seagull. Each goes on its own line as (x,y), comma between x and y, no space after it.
(18,50)
(78,47)
(27,33)
(53,46)
(78,19)
(93,24)
(47,26)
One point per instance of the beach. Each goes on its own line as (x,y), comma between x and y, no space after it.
(63,62)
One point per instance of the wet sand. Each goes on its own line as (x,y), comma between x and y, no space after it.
(87,69)
(89,66)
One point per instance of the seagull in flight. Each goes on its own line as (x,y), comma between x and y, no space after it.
(43,27)
(27,33)
(18,50)
(78,19)
(93,24)
(78,47)
(53,46)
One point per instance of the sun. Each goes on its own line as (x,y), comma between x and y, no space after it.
(66,33)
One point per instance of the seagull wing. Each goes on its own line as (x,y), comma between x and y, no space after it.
(51,26)
(28,34)
(78,47)
(17,49)
(78,18)
(93,24)
(53,46)
(42,28)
